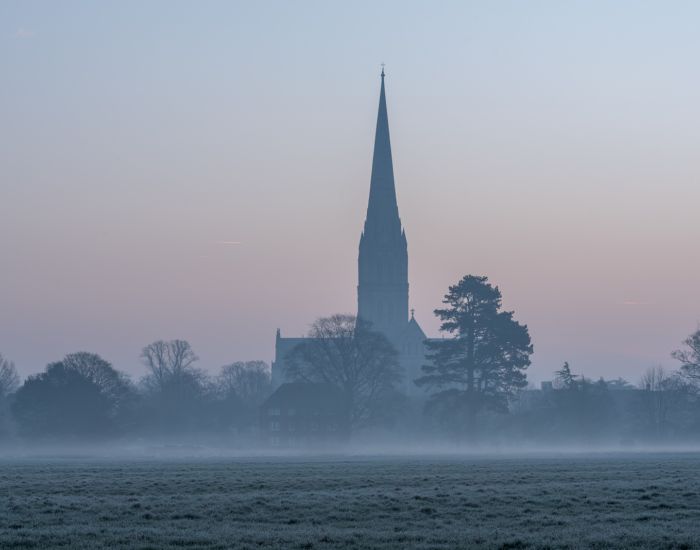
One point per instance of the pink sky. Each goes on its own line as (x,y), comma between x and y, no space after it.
(554,150)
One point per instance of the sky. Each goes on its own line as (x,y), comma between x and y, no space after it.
(200,170)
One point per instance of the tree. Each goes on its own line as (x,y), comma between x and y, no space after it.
(583,409)
(170,363)
(9,380)
(564,378)
(484,362)
(176,390)
(82,395)
(114,385)
(241,388)
(344,352)
(690,357)
(248,381)
(660,390)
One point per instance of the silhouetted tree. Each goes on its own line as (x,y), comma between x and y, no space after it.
(176,391)
(242,387)
(656,383)
(483,364)
(169,363)
(344,352)
(114,385)
(83,395)
(690,357)
(9,382)
(580,408)
(666,403)
(249,381)
(564,378)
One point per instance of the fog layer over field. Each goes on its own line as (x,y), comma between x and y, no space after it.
(137,450)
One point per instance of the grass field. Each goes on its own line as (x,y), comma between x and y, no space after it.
(641,501)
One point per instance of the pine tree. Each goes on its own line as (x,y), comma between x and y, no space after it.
(483,364)
(565,378)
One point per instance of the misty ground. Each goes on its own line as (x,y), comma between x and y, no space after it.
(645,500)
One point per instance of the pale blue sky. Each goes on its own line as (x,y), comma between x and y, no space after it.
(549,145)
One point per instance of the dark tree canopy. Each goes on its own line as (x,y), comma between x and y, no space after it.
(113,384)
(83,395)
(344,352)
(582,406)
(483,363)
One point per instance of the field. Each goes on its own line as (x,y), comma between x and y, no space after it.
(641,501)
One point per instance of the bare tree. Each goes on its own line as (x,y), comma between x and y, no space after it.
(654,379)
(344,352)
(690,357)
(9,380)
(169,362)
(248,381)
(176,390)
(657,386)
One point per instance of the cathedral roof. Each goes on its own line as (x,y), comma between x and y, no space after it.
(413,330)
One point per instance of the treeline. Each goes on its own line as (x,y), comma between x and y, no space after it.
(475,387)
(84,397)
(472,387)
(662,408)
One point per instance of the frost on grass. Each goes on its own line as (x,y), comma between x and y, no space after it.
(646,501)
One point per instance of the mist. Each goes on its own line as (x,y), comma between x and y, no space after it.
(317,275)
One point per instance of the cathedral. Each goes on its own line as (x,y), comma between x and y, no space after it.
(382,290)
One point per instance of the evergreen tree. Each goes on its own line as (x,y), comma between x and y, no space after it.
(483,364)
(690,357)
(565,378)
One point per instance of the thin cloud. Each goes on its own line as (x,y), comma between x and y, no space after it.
(23,33)
(228,243)
(636,303)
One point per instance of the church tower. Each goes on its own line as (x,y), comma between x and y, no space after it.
(382,292)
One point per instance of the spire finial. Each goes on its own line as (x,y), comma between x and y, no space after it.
(413,313)
(383,70)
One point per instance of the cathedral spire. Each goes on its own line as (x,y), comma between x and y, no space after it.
(382,210)
(382,292)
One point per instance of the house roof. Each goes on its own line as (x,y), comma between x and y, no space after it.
(307,397)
